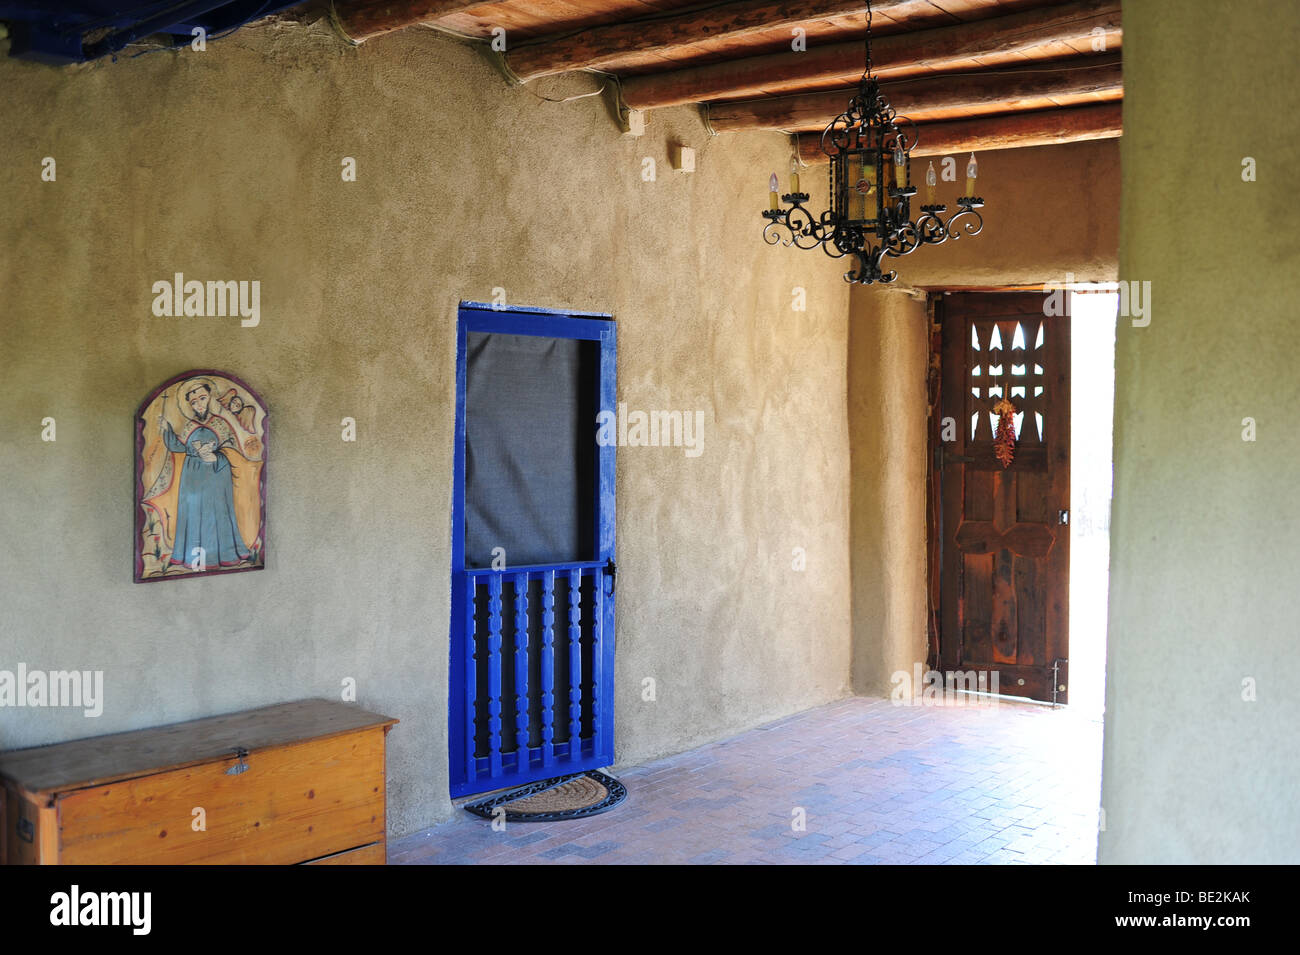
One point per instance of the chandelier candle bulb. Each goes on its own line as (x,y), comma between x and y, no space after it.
(972,172)
(900,176)
(931,180)
(774,187)
(794,176)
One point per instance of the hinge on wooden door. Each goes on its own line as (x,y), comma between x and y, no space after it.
(944,456)
(612,569)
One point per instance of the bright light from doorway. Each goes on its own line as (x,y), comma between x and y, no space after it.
(1092,405)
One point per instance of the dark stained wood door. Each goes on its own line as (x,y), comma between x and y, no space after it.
(1001,546)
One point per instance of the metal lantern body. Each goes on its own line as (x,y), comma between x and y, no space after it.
(871,189)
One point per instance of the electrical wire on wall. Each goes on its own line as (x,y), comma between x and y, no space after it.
(485,43)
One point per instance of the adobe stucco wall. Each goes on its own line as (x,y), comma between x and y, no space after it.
(1204,525)
(888,354)
(1052,211)
(226,165)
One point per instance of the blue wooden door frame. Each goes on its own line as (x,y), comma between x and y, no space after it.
(472,773)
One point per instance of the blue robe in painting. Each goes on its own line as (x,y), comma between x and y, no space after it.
(205,508)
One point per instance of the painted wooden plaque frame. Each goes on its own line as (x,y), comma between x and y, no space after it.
(200,478)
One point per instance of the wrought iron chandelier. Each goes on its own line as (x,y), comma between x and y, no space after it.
(870,191)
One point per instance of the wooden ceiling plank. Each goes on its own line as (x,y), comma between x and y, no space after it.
(361,20)
(1022,105)
(1047,127)
(1078,75)
(599,45)
(939,9)
(818,33)
(959,10)
(789,71)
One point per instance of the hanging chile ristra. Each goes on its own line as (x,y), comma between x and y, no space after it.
(1004,442)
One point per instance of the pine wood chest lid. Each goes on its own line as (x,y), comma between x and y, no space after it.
(103,759)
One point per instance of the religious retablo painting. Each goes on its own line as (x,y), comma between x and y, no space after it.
(200,472)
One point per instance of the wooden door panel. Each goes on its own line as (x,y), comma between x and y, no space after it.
(1006,625)
(1000,550)
(1031,608)
(1033,493)
(978,495)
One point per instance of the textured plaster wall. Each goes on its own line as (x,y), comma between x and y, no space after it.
(226,165)
(1204,525)
(1052,211)
(888,354)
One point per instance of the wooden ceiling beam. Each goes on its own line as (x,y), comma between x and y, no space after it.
(603,44)
(1039,128)
(1003,88)
(361,20)
(842,62)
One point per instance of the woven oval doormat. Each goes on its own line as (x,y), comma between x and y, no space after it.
(564,797)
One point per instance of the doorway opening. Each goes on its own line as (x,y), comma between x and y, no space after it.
(1093,309)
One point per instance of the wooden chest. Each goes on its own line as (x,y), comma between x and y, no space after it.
(294,783)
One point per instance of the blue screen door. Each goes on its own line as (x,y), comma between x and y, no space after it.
(532,609)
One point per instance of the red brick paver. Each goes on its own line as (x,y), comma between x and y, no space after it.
(870,781)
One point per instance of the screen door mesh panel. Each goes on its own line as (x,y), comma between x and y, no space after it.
(530,453)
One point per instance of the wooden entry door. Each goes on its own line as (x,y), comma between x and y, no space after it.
(1002,543)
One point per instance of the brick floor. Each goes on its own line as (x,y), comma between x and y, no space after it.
(873,783)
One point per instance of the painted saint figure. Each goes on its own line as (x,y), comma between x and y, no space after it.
(205,505)
(200,478)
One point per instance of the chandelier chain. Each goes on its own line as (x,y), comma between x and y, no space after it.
(866,69)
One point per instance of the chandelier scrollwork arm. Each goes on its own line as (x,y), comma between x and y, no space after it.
(968,219)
